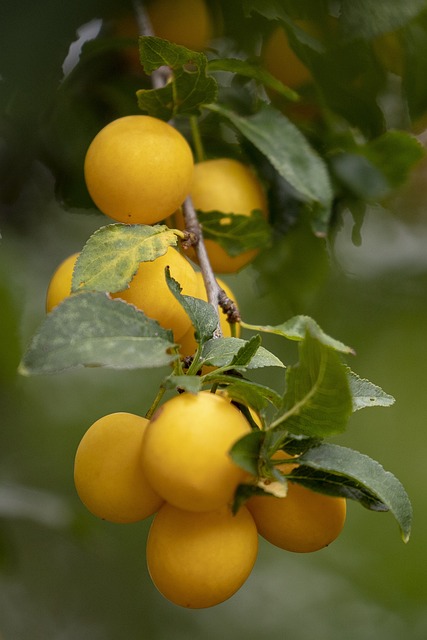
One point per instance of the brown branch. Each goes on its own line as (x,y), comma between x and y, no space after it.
(212,287)
(229,307)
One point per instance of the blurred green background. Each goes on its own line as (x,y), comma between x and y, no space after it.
(64,575)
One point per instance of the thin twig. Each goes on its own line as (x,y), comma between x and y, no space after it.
(212,287)
(143,21)
(160,76)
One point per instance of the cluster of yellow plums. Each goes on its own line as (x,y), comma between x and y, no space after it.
(177,467)
(139,170)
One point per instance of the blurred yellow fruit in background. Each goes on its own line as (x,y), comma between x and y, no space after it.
(185,22)
(228,186)
(282,62)
(60,284)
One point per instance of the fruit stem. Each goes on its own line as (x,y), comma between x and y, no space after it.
(143,21)
(155,403)
(197,139)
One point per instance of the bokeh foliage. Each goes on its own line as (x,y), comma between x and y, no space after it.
(62,574)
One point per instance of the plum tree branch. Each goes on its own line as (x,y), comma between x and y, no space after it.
(160,76)
(216,295)
(212,287)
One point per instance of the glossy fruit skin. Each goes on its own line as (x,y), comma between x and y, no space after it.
(60,284)
(138,169)
(185,452)
(282,62)
(184,22)
(198,560)
(108,474)
(302,522)
(149,291)
(228,186)
(188,342)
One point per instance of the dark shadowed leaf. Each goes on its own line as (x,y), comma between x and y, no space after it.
(290,154)
(243,493)
(415,87)
(367,171)
(341,471)
(236,233)
(245,452)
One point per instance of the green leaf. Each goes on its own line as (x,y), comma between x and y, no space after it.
(250,393)
(157,52)
(341,471)
(317,401)
(367,394)
(246,352)
(291,155)
(297,327)
(349,81)
(190,86)
(254,71)
(111,256)
(236,233)
(221,352)
(245,452)
(91,329)
(204,317)
(192,384)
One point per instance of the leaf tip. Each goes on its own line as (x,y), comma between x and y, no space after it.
(320,233)
(405,536)
(23,370)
